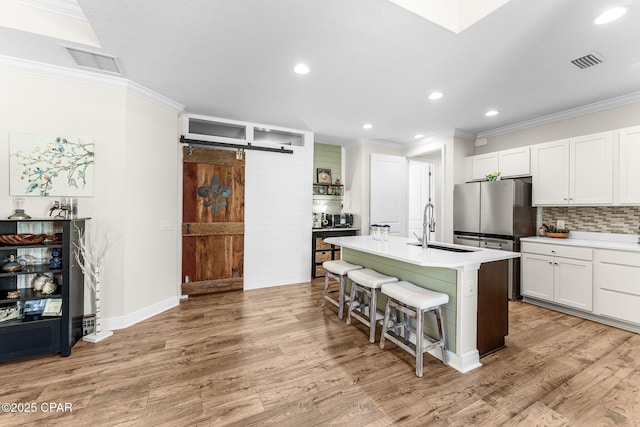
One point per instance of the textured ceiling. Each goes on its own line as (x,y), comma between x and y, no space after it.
(371,61)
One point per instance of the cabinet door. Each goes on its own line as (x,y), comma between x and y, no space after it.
(628,170)
(550,174)
(515,162)
(484,164)
(591,168)
(574,283)
(537,276)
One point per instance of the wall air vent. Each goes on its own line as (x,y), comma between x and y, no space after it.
(94,60)
(593,58)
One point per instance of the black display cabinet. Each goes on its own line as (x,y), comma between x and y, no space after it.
(33,333)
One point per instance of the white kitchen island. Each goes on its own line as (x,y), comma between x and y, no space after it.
(454,273)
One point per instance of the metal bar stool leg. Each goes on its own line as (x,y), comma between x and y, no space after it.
(352,301)
(341,298)
(373,314)
(385,322)
(326,288)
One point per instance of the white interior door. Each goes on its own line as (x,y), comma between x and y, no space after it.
(420,192)
(388,192)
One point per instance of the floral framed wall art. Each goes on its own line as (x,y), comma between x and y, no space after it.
(47,165)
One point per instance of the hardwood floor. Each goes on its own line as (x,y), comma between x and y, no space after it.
(274,356)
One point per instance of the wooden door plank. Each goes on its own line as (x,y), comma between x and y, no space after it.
(209,286)
(207,155)
(189,258)
(189,203)
(237,266)
(212,228)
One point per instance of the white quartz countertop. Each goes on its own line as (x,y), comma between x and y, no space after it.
(397,248)
(592,240)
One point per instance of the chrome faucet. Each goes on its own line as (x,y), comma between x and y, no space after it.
(428,223)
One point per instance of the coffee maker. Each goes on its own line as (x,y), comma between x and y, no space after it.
(348,219)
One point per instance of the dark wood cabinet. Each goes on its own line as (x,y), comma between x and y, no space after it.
(322,251)
(493,306)
(32,333)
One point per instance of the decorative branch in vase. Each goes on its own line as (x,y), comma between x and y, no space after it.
(91,253)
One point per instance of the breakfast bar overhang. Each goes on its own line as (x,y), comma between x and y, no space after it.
(448,271)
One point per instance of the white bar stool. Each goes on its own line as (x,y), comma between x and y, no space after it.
(413,301)
(336,270)
(366,282)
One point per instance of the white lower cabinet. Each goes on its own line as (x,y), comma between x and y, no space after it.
(537,276)
(617,285)
(574,283)
(559,274)
(592,282)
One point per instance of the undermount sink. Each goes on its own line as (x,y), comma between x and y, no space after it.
(442,248)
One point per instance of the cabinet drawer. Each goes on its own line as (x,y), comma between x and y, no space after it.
(574,252)
(323,256)
(618,257)
(618,278)
(618,305)
(321,244)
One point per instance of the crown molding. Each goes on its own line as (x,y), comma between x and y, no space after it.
(439,137)
(155,97)
(62,7)
(607,104)
(87,77)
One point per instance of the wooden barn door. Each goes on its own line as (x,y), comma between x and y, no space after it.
(213,221)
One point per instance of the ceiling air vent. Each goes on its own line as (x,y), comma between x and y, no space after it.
(94,60)
(587,61)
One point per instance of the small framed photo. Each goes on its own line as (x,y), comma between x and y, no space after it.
(323,176)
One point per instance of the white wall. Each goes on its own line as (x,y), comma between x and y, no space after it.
(135,174)
(612,118)
(278,217)
(151,225)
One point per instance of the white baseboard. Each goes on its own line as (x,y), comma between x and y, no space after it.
(465,363)
(122,322)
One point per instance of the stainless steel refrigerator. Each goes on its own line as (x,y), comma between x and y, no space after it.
(495,215)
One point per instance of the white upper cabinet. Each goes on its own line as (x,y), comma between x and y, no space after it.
(478,167)
(510,163)
(515,162)
(577,171)
(591,169)
(214,129)
(627,174)
(550,174)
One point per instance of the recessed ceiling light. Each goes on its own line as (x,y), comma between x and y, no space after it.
(301,69)
(367,126)
(419,136)
(491,113)
(610,15)
(436,95)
